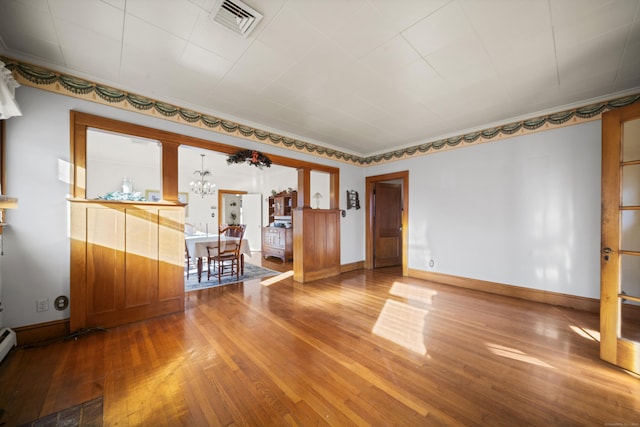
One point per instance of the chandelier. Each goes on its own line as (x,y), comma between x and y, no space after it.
(200,185)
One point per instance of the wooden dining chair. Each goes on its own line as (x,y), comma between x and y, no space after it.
(187,258)
(227,256)
(237,231)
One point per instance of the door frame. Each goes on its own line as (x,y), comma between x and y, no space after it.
(221,194)
(369,243)
(614,348)
(170,142)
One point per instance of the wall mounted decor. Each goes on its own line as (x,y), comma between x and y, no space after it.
(353,201)
(251,157)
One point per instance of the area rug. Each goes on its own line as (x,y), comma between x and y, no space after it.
(250,272)
(87,414)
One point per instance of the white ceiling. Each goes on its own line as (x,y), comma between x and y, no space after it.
(363,76)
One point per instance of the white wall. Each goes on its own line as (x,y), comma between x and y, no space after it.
(36,248)
(112,157)
(36,261)
(320,184)
(523,211)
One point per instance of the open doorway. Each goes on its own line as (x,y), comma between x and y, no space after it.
(387,207)
(230,207)
(241,207)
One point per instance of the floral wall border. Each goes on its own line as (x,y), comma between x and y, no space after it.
(43,78)
(575,116)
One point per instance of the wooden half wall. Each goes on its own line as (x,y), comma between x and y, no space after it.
(316,232)
(316,244)
(127,262)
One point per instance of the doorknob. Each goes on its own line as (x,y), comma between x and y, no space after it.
(606,250)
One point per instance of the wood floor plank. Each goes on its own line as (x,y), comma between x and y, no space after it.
(363,348)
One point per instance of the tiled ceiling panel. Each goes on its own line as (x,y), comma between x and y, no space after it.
(100,18)
(77,46)
(177,17)
(363,76)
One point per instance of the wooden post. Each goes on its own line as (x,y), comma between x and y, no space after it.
(304,188)
(170,172)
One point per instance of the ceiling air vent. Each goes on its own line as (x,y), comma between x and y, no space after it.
(237,16)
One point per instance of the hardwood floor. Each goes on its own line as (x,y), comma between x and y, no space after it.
(363,348)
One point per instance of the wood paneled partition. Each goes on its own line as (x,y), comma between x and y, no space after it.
(127,262)
(316,232)
(316,244)
(127,258)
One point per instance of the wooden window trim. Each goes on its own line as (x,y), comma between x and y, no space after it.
(170,141)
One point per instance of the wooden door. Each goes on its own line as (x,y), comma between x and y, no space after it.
(620,251)
(387,247)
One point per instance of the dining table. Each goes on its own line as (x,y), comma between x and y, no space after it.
(197,245)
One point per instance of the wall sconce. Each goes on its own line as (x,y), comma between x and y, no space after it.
(6,202)
(353,201)
(8,107)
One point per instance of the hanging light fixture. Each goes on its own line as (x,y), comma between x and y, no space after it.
(201,186)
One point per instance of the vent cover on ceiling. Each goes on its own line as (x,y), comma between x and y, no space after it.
(236,16)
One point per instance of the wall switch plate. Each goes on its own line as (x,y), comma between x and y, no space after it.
(42,305)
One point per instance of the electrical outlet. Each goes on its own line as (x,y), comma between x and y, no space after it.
(42,304)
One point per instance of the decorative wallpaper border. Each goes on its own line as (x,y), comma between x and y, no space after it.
(42,78)
(551,121)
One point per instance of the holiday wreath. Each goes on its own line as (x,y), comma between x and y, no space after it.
(251,157)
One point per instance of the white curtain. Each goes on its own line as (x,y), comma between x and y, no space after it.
(8,85)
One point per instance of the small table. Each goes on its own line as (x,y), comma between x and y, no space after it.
(197,248)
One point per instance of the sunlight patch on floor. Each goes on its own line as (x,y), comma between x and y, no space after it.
(512,353)
(402,324)
(271,280)
(589,334)
(546,329)
(166,381)
(413,292)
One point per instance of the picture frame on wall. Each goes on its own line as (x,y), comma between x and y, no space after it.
(353,200)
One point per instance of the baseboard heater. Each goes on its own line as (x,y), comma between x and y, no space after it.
(7,341)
